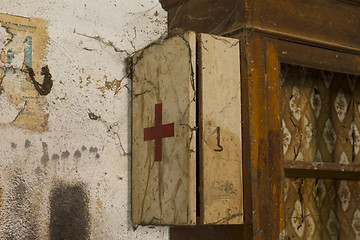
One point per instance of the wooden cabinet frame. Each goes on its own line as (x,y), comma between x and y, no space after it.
(321,34)
(265,56)
(263,171)
(333,23)
(264,168)
(324,59)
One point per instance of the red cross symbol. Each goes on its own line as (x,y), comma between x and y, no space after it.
(158,132)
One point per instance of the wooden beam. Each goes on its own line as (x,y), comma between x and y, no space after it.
(263,170)
(206,232)
(322,170)
(333,24)
(167,4)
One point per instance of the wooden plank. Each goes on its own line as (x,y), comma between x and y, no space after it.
(322,170)
(247,163)
(333,23)
(274,159)
(262,212)
(163,132)
(318,58)
(207,232)
(167,4)
(328,23)
(220,130)
(215,17)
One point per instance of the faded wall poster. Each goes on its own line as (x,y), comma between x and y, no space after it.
(22,60)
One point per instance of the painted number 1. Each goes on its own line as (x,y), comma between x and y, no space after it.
(220,148)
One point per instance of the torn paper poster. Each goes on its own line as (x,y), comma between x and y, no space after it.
(23,43)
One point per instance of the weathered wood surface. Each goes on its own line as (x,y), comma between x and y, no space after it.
(215,17)
(333,23)
(220,130)
(322,170)
(327,25)
(262,166)
(207,232)
(164,187)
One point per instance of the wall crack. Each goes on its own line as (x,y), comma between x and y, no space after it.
(103,41)
(110,129)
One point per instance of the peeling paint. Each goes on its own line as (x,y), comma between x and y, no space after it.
(8,111)
(24,42)
(114,86)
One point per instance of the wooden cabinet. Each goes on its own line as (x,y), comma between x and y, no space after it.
(298,184)
(186,132)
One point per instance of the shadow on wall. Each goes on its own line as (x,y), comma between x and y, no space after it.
(69,212)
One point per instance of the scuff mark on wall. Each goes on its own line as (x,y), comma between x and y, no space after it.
(45,87)
(103,41)
(45,158)
(69,212)
(111,128)
(18,216)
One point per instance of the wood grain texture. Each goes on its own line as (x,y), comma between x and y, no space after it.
(167,4)
(164,192)
(322,170)
(330,24)
(220,130)
(207,232)
(319,58)
(261,125)
(274,158)
(215,17)
(326,22)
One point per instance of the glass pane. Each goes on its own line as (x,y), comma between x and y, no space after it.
(320,115)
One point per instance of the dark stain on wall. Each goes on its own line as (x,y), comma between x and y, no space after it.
(77,154)
(45,158)
(1,201)
(45,87)
(20,216)
(27,143)
(69,212)
(55,157)
(65,154)
(93,150)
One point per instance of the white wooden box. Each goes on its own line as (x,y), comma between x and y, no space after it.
(186,132)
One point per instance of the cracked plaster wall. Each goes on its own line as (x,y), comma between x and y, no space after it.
(71,179)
